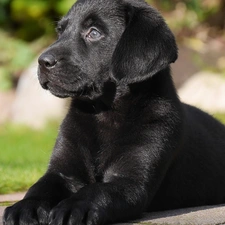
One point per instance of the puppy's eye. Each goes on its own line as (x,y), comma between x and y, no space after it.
(59,29)
(93,34)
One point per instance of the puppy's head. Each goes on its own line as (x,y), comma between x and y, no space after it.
(103,41)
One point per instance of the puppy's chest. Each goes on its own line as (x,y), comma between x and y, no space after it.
(114,138)
(108,152)
(108,137)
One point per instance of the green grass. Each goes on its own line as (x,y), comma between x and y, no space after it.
(220,117)
(24,155)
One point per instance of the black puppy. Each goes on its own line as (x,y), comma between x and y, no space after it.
(127,144)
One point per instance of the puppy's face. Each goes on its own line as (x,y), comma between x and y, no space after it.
(78,63)
(103,42)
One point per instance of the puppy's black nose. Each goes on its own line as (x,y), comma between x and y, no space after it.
(47,61)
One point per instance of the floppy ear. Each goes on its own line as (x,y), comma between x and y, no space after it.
(146,46)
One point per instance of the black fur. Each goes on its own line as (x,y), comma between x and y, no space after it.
(127,144)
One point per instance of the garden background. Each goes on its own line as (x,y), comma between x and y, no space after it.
(28,26)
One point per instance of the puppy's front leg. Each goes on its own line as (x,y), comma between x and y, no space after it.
(67,173)
(37,203)
(127,187)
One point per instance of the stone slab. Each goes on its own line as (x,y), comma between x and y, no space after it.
(206,215)
(12,197)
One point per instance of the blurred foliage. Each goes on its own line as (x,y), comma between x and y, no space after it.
(186,16)
(202,9)
(14,55)
(29,20)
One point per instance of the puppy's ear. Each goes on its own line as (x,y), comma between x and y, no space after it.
(146,46)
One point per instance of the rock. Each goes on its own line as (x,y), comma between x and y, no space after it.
(195,54)
(6,100)
(184,67)
(33,105)
(14,197)
(206,91)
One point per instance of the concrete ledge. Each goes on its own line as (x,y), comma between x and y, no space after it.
(207,215)
(12,197)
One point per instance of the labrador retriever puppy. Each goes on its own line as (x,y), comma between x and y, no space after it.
(127,145)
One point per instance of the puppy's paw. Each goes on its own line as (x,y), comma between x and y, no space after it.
(27,212)
(79,212)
